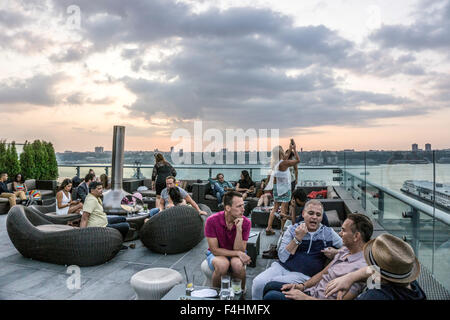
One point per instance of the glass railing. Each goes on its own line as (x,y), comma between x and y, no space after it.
(406,193)
(324,175)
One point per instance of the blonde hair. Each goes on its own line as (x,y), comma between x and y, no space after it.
(277,155)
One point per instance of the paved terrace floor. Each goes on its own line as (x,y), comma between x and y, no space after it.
(26,279)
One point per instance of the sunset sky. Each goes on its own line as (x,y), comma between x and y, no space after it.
(332,74)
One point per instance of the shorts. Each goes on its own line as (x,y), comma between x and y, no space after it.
(210,257)
(282,198)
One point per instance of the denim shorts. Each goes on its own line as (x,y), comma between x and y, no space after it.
(210,257)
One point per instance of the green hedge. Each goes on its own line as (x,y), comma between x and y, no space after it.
(37,161)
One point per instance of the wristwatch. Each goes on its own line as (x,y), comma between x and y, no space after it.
(297,242)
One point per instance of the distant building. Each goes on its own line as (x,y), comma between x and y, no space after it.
(67,151)
(415,147)
(428,147)
(99,149)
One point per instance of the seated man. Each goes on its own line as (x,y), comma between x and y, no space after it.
(220,187)
(83,188)
(395,269)
(94,216)
(356,232)
(227,234)
(5,193)
(296,205)
(164,201)
(301,251)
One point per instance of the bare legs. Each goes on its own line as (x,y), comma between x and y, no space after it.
(222,265)
(284,216)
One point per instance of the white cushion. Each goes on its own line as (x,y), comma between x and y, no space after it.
(54,227)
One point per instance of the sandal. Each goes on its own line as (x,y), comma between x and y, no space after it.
(270,232)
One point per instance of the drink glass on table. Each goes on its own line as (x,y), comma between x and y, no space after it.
(225,288)
(236,285)
(145,207)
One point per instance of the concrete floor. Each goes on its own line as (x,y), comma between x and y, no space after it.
(26,279)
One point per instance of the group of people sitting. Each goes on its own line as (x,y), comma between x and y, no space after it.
(19,190)
(314,261)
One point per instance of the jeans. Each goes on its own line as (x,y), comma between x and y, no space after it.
(119,223)
(219,191)
(272,291)
(276,272)
(153,211)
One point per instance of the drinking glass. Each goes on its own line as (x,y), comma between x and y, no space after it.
(189,288)
(225,288)
(145,207)
(236,285)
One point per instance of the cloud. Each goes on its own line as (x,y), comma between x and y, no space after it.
(37,90)
(429,31)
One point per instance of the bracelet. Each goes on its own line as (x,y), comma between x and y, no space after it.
(297,242)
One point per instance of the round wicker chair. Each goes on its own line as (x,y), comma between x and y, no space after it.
(36,237)
(49,213)
(174,230)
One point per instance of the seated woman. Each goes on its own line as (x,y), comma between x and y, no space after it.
(263,195)
(64,203)
(175,199)
(245,185)
(19,184)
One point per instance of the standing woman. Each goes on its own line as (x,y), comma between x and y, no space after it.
(280,182)
(64,203)
(161,170)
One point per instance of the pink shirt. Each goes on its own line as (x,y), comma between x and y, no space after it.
(216,227)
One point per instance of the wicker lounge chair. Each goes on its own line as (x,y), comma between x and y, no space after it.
(174,230)
(49,213)
(36,237)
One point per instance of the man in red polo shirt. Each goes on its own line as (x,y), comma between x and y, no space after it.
(227,234)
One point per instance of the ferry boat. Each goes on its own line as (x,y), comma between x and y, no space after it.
(423,190)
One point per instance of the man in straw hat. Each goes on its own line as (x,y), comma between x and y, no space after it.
(391,260)
(356,231)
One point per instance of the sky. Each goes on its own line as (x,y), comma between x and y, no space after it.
(334,75)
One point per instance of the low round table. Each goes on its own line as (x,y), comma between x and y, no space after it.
(137,220)
(154,283)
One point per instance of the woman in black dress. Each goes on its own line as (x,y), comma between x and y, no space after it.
(161,171)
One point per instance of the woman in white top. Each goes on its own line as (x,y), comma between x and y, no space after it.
(64,203)
(280,182)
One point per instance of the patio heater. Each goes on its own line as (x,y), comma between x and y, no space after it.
(112,198)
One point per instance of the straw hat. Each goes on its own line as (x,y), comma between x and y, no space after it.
(394,257)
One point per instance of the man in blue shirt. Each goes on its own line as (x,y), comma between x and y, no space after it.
(300,252)
(220,186)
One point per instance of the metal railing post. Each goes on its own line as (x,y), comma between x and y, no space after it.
(106,171)
(78,171)
(415,223)
(380,206)
(210,173)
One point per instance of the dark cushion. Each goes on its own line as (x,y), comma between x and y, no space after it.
(333,218)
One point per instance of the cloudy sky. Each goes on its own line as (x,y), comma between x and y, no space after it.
(333,74)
